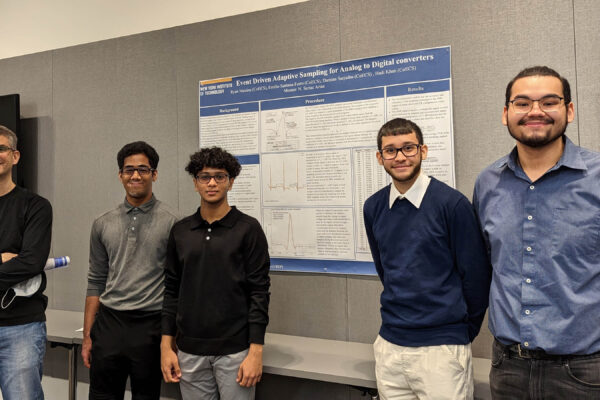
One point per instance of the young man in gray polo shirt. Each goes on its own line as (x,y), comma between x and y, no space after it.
(121,331)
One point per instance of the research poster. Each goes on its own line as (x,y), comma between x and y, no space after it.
(306,139)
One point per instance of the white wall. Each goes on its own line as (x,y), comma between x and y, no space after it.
(31,26)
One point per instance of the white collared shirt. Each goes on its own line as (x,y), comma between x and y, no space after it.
(415,194)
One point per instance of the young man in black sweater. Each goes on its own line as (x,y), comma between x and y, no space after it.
(25,232)
(215,309)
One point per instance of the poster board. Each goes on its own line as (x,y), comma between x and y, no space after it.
(306,139)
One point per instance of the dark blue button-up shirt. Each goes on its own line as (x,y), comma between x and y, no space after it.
(544,243)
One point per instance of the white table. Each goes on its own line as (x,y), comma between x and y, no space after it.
(341,362)
(325,360)
(320,359)
(61,327)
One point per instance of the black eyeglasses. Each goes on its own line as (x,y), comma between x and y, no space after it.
(205,179)
(409,150)
(5,149)
(143,171)
(522,105)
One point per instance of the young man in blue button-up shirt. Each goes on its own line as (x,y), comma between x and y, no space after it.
(539,209)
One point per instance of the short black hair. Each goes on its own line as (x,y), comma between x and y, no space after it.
(399,126)
(539,70)
(213,157)
(139,147)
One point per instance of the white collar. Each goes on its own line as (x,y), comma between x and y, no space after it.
(414,194)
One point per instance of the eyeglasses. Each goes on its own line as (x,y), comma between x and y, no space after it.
(5,149)
(143,171)
(409,150)
(522,105)
(205,179)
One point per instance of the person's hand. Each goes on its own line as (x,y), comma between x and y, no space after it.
(250,370)
(169,363)
(8,256)
(86,351)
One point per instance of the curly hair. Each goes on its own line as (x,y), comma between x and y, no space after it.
(213,157)
(138,148)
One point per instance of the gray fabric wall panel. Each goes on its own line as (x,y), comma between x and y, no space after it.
(587,102)
(107,94)
(364,318)
(482,345)
(31,77)
(309,305)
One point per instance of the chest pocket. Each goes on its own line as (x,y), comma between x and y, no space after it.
(575,234)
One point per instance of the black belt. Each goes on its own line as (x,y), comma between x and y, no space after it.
(518,351)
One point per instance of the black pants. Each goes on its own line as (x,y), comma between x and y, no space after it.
(565,378)
(125,344)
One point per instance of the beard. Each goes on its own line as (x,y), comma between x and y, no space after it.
(415,172)
(539,141)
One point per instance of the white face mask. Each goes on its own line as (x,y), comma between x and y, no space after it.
(24,289)
(29,287)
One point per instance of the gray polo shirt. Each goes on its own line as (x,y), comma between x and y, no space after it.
(128,247)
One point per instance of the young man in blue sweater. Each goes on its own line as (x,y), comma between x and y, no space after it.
(431,259)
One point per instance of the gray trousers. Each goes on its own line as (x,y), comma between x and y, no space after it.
(212,377)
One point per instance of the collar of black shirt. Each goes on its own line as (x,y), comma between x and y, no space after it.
(227,221)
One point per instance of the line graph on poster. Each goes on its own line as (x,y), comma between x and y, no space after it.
(287,232)
(284,179)
(282,129)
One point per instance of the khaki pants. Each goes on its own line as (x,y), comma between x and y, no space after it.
(427,372)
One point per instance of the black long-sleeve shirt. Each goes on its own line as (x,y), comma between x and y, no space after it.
(25,229)
(216,284)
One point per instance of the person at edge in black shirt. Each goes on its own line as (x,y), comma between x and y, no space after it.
(215,309)
(25,234)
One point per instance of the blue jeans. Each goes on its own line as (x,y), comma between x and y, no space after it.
(22,349)
(570,377)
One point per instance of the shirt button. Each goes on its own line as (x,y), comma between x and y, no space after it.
(528,248)
(134,218)
(531,187)
(210,230)
(528,280)
(208,238)
(527,312)
(133,228)
(526,344)
(529,217)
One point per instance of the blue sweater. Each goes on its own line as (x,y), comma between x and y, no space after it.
(433,265)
